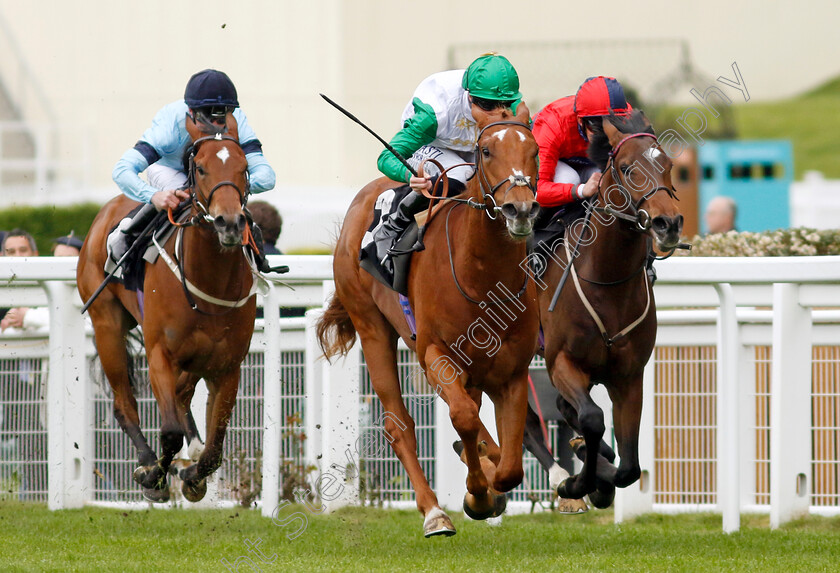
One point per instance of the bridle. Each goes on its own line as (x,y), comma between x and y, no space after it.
(641,221)
(203,203)
(638,216)
(486,189)
(202,206)
(516,180)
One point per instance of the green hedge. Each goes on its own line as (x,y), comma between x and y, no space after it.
(801,241)
(47,223)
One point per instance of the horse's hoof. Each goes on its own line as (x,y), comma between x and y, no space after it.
(568,506)
(602,497)
(194,491)
(495,510)
(437,523)
(156,495)
(141,473)
(499,505)
(564,490)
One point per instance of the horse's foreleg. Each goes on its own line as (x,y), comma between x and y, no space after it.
(493,450)
(605,471)
(571,419)
(479,502)
(511,408)
(223,390)
(185,392)
(573,385)
(172,417)
(627,413)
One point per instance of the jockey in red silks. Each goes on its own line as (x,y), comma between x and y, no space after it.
(563,129)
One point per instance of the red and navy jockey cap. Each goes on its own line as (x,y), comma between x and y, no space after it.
(599,95)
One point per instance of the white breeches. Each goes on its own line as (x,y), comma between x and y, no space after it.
(445,157)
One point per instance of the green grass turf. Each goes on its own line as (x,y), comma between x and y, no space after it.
(364,539)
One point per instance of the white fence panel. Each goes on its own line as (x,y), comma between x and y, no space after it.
(717,390)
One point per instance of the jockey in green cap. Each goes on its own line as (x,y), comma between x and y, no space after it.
(439,123)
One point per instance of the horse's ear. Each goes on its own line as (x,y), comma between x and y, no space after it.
(192,128)
(648,125)
(523,114)
(232,126)
(611,131)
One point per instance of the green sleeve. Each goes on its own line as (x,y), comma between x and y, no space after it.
(419,130)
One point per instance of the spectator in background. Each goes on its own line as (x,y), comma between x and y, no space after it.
(2,238)
(23,390)
(19,243)
(16,243)
(25,318)
(720,215)
(67,246)
(270,223)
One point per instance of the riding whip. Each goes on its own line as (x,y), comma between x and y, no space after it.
(373,133)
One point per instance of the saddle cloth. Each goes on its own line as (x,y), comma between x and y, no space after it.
(132,273)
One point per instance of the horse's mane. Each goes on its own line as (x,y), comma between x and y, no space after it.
(599,144)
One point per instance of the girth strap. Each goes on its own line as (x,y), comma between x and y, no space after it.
(607,340)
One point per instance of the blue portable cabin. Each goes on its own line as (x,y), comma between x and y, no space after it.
(756,174)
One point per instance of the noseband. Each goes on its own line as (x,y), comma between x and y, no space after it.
(639,217)
(191,179)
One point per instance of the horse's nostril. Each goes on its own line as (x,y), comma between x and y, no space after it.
(660,224)
(241,221)
(509,210)
(535,210)
(219,222)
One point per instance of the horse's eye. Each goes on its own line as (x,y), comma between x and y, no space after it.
(625,169)
(485,152)
(199,170)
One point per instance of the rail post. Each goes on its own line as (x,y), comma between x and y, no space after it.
(790,406)
(69,411)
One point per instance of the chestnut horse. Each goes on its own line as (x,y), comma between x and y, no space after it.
(603,328)
(197,325)
(471,262)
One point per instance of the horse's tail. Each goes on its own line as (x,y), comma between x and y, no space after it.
(133,346)
(336,333)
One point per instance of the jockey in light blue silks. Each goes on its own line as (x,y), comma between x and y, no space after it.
(209,96)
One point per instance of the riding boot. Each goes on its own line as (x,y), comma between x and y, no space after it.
(259,255)
(393,226)
(130,229)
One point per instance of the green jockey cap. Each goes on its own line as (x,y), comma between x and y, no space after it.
(492,77)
